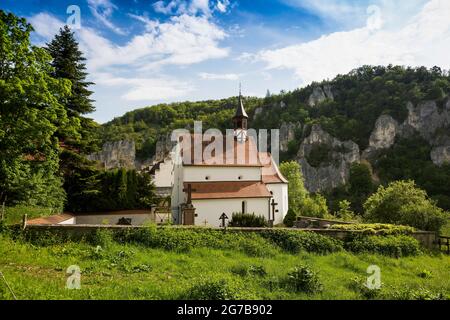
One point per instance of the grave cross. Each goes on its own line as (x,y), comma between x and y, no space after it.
(223,217)
(273,204)
(189,191)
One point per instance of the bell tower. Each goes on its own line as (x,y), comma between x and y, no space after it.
(240,120)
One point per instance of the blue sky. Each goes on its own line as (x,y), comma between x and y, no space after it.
(144,52)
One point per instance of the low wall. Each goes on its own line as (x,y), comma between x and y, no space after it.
(426,239)
(316,223)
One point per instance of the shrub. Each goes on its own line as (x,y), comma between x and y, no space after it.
(247,220)
(395,246)
(303,279)
(401,202)
(358,284)
(211,290)
(296,241)
(425,274)
(415,294)
(314,206)
(183,240)
(103,238)
(375,228)
(243,270)
(290,218)
(345,213)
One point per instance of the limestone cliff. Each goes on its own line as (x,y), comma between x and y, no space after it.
(383,136)
(287,134)
(118,154)
(333,171)
(426,119)
(320,94)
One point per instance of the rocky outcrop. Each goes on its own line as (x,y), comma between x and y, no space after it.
(118,154)
(383,136)
(287,134)
(426,119)
(258,111)
(441,155)
(320,94)
(162,153)
(332,173)
(164,146)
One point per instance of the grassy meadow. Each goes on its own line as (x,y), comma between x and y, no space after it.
(113,270)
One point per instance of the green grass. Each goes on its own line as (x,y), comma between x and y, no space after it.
(129,271)
(13,215)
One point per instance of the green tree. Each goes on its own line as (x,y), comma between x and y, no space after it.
(315,206)
(79,136)
(360,185)
(290,218)
(68,63)
(145,190)
(30,115)
(401,202)
(296,188)
(345,213)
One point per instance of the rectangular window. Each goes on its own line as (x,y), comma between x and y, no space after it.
(244,206)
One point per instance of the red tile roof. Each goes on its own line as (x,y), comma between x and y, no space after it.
(233,153)
(228,190)
(51,219)
(270,172)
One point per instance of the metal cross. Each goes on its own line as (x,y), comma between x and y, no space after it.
(223,217)
(273,204)
(189,191)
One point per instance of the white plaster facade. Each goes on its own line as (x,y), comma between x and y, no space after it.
(209,211)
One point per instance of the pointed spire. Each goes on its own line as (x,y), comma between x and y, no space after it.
(240,111)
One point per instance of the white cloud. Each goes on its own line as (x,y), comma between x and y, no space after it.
(146,89)
(45,25)
(181,40)
(178,7)
(222,6)
(103,10)
(422,40)
(216,76)
(169,8)
(350,13)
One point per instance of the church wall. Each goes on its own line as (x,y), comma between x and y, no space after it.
(211,209)
(199,174)
(280,195)
(164,176)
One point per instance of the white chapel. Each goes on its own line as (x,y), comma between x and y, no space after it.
(216,175)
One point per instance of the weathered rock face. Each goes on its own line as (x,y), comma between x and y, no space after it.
(258,111)
(331,174)
(287,134)
(383,136)
(164,146)
(320,94)
(162,152)
(118,154)
(425,119)
(441,155)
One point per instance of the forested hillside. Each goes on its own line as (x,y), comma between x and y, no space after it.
(346,107)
